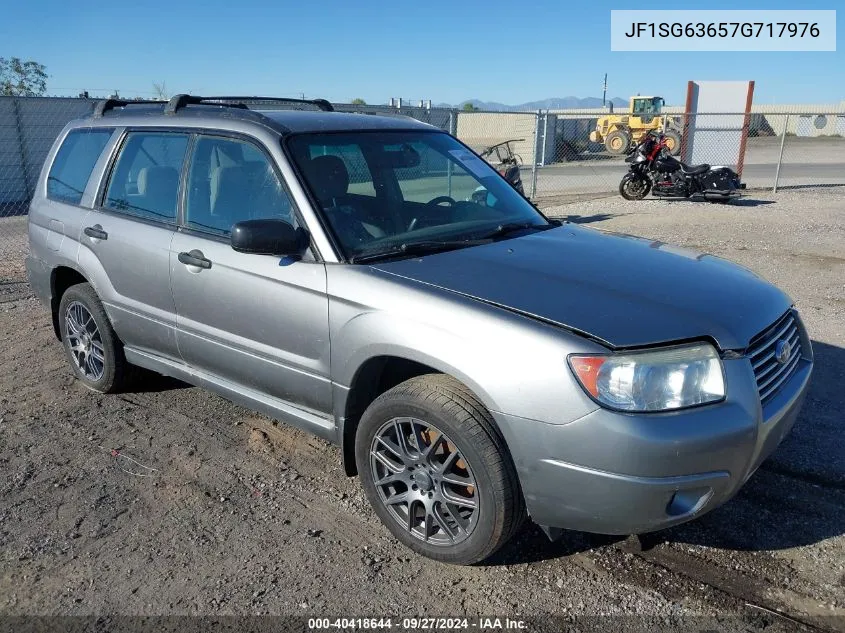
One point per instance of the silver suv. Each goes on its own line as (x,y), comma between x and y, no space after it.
(476,362)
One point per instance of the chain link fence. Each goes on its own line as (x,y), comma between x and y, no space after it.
(28,127)
(779,150)
(562,155)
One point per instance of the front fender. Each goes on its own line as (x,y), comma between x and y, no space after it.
(380,334)
(513,363)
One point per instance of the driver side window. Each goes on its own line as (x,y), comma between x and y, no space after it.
(229,181)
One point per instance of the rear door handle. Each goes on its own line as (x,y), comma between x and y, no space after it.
(195,258)
(96,232)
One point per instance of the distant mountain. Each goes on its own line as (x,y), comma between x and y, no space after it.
(553,103)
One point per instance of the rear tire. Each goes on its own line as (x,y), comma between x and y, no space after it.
(634,187)
(423,449)
(618,142)
(92,348)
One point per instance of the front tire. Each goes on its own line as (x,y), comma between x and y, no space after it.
(437,472)
(618,142)
(634,187)
(91,346)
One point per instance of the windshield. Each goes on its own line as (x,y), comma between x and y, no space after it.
(648,106)
(382,189)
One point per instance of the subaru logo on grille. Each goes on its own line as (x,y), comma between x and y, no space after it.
(783,351)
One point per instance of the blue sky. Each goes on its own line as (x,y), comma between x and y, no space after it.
(443,50)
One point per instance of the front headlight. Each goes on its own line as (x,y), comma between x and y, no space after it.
(660,380)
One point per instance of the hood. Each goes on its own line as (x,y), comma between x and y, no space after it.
(623,290)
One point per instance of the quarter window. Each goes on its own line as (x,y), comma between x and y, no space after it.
(230,181)
(74,163)
(145,179)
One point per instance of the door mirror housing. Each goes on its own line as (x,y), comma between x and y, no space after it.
(268,237)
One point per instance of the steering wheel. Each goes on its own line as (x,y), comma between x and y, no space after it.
(441,199)
(434,202)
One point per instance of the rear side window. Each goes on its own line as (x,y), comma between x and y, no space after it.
(145,178)
(74,163)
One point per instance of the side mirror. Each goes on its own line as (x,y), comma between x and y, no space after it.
(268,237)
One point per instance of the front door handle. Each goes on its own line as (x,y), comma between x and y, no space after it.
(96,232)
(195,258)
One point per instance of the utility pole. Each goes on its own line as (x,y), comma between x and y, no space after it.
(604,93)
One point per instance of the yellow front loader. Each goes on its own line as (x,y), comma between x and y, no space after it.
(619,131)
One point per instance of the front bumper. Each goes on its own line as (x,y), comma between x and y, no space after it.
(616,473)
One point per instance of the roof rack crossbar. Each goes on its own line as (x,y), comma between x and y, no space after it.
(180,101)
(105,105)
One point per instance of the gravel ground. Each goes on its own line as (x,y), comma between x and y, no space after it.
(13,249)
(172,501)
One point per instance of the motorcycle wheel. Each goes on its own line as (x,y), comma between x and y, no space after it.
(634,187)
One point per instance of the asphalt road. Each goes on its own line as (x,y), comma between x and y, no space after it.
(806,162)
(604,175)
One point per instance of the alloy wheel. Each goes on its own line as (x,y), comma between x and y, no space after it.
(84,341)
(424,481)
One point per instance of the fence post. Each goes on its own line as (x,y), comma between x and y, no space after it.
(453,130)
(534,155)
(780,155)
(30,191)
(545,125)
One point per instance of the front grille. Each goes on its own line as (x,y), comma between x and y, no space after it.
(769,372)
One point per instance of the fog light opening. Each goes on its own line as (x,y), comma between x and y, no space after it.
(685,502)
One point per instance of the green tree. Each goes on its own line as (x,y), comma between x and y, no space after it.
(469,107)
(22,79)
(358,101)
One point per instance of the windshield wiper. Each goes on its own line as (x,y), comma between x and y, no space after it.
(415,248)
(513,227)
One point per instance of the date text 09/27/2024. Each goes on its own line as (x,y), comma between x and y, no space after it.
(417,623)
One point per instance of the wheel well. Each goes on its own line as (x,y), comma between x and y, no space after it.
(61,279)
(372,379)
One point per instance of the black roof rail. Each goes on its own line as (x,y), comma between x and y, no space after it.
(178,102)
(110,104)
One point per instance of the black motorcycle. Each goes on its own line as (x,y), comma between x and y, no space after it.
(653,168)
